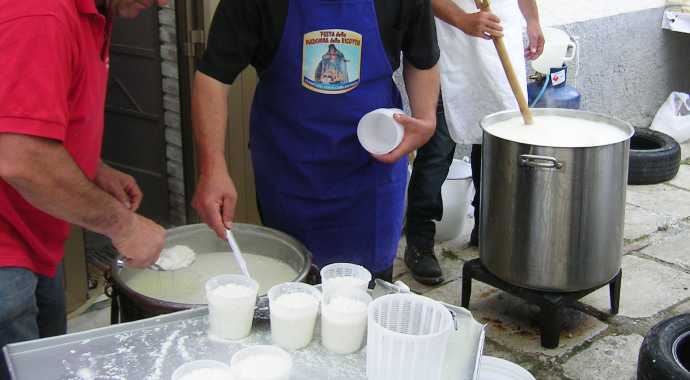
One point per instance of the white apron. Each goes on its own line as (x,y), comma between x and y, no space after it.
(473,83)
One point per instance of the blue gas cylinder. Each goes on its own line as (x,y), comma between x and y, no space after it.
(557,94)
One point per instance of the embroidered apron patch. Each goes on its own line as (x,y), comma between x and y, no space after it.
(331,61)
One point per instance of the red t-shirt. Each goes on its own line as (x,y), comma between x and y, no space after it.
(53,78)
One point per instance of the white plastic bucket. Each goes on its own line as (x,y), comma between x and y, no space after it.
(455,192)
(558,49)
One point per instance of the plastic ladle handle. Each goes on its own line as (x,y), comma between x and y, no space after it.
(236,251)
(508,68)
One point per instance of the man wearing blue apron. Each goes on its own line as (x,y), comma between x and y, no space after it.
(322,65)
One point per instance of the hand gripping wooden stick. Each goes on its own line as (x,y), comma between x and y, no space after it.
(508,68)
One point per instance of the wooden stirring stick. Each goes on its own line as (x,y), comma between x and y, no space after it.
(508,68)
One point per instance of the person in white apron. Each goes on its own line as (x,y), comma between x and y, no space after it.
(473,85)
(322,65)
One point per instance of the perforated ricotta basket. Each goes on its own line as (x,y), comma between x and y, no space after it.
(407,338)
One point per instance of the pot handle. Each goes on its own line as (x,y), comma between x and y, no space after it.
(540,162)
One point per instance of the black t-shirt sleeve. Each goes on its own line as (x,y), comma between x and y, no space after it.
(233,40)
(419,43)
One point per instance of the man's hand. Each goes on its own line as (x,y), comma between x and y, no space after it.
(215,200)
(121,186)
(536,41)
(417,133)
(481,24)
(140,242)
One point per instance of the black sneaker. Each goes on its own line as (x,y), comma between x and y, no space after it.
(423,265)
(474,237)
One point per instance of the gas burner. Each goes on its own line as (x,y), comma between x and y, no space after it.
(550,303)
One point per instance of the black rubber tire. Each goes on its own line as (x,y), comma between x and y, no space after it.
(654,157)
(656,360)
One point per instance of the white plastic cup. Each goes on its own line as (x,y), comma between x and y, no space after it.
(343,331)
(267,363)
(190,367)
(292,324)
(407,338)
(378,132)
(345,275)
(230,317)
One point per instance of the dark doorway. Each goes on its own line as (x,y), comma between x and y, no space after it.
(134,140)
(134,129)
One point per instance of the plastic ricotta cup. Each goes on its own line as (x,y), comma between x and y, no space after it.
(344,320)
(231,303)
(294,307)
(344,275)
(208,369)
(378,132)
(261,363)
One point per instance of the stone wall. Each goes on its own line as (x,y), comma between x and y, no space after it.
(628,65)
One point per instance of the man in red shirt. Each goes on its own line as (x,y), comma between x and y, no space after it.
(54,71)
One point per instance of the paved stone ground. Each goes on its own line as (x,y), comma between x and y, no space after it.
(594,344)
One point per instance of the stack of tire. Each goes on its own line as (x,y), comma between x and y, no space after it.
(654,157)
(665,351)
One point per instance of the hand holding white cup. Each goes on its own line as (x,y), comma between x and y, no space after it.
(378,132)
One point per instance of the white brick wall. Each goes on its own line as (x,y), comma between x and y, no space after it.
(173,121)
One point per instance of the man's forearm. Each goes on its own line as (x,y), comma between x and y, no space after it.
(529,10)
(422,87)
(46,176)
(209,119)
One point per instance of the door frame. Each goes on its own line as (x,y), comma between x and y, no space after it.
(190,47)
(192,24)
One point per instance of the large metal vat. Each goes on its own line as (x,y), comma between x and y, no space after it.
(551,217)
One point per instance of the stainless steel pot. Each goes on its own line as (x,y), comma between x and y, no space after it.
(552,218)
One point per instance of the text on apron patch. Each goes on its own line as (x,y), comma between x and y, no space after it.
(331,61)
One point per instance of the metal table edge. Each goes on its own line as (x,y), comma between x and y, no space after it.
(28,346)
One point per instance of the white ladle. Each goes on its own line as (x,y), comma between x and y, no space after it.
(236,251)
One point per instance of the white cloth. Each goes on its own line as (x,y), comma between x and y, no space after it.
(473,83)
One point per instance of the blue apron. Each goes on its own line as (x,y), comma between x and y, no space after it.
(314,180)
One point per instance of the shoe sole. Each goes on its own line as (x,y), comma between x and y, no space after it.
(428,280)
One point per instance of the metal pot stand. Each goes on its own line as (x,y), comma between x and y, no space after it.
(550,303)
